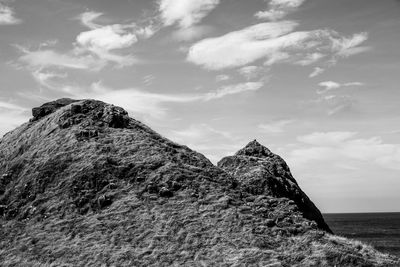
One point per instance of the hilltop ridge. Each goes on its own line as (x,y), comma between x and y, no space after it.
(84,184)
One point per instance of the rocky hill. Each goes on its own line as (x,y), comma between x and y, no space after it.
(83,184)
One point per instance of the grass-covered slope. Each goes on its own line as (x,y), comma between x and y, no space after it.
(82,184)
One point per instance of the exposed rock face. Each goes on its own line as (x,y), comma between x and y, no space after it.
(84,184)
(50,107)
(261,172)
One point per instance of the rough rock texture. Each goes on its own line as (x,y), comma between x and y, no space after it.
(261,172)
(50,107)
(83,184)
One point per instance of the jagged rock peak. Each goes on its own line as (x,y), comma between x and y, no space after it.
(254,149)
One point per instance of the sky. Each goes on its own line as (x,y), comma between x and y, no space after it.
(315,81)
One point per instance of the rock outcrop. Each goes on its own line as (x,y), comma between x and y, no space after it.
(50,107)
(82,184)
(261,172)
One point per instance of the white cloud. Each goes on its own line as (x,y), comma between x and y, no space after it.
(102,41)
(106,38)
(317,71)
(274,127)
(93,49)
(232,89)
(242,47)
(274,42)
(185,12)
(7,16)
(278,9)
(330,85)
(344,147)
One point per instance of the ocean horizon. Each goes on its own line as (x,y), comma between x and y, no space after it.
(379,229)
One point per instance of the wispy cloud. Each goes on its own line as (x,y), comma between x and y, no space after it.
(274,42)
(278,9)
(330,85)
(7,16)
(349,46)
(232,89)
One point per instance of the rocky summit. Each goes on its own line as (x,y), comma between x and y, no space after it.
(83,184)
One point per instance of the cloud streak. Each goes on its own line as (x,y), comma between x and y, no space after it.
(330,85)
(273,42)
(278,9)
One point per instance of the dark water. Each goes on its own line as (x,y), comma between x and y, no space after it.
(381,230)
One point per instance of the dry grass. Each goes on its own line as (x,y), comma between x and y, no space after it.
(128,197)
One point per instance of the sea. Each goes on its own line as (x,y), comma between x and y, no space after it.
(381,230)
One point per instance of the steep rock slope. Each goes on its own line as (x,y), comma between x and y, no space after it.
(262,172)
(82,184)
